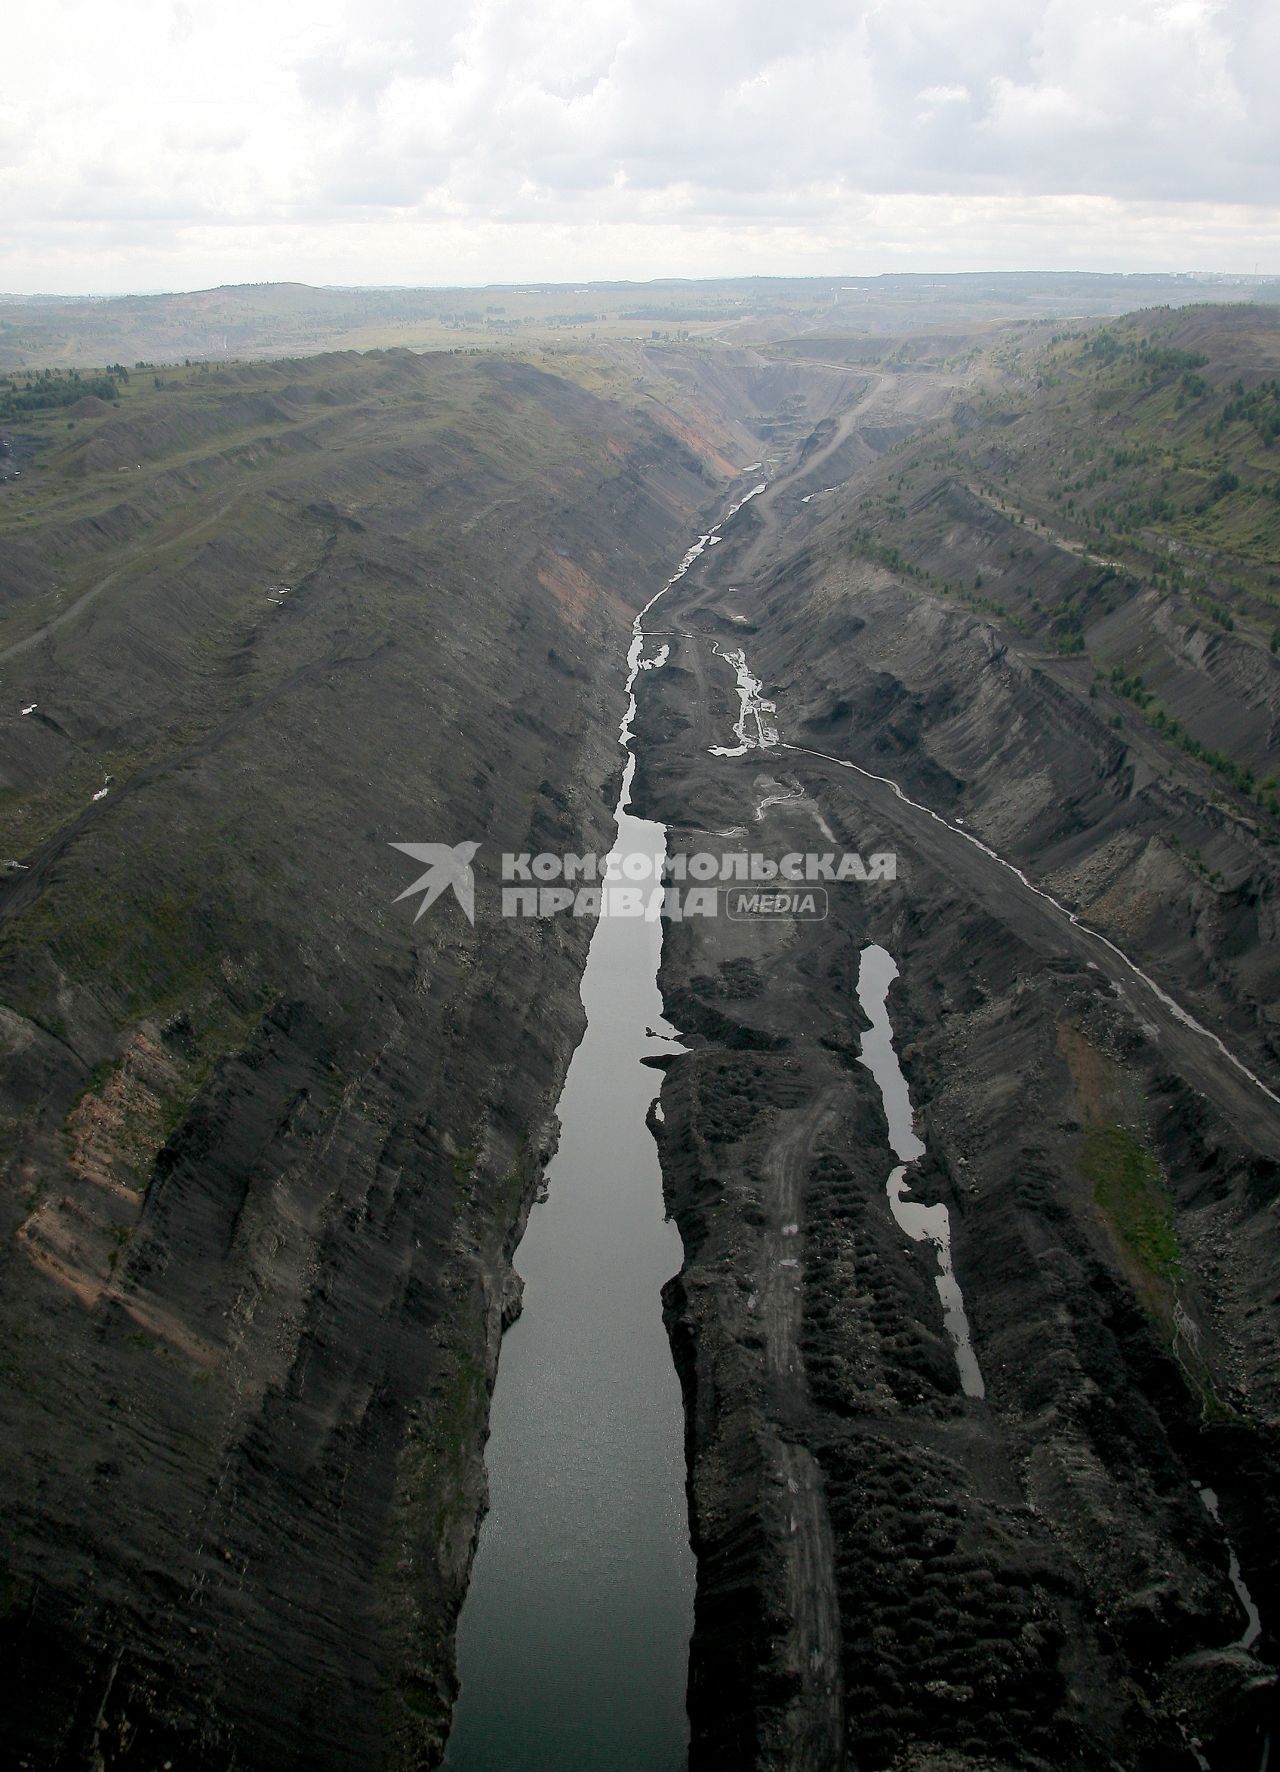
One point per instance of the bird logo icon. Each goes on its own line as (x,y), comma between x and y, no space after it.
(446,867)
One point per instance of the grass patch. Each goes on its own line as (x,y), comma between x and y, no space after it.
(464,1167)
(1131,1195)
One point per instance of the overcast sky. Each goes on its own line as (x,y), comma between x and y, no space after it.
(175,144)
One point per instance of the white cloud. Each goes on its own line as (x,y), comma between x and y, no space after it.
(632,133)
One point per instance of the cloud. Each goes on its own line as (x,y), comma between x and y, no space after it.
(794,122)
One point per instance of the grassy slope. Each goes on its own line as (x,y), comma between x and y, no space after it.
(1113,494)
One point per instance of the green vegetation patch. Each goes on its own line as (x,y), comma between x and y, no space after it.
(464,1165)
(1239,775)
(1131,1194)
(46,390)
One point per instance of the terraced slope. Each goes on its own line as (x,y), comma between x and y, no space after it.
(893,1572)
(267,1140)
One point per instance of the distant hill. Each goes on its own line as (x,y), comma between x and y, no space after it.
(290,319)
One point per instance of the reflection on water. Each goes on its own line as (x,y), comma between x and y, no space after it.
(573,1642)
(932,1224)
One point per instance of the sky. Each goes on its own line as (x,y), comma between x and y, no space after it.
(178,144)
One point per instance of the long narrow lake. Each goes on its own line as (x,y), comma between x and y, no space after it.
(573,1643)
(574,1637)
